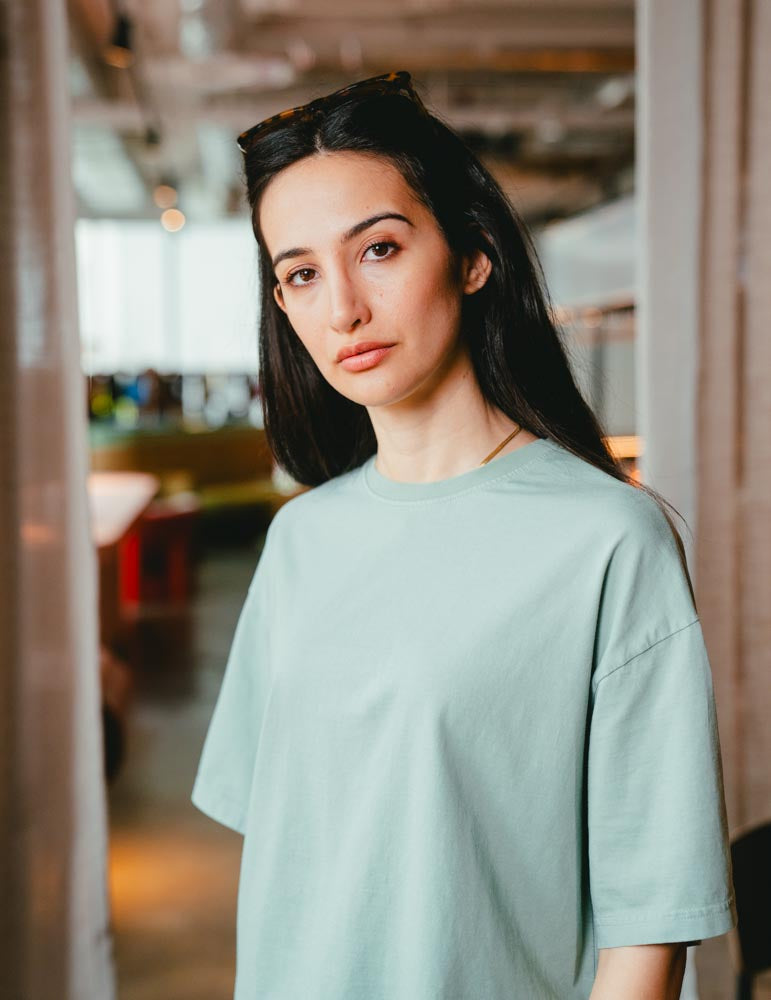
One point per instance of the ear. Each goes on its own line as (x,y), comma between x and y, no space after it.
(477,268)
(278,295)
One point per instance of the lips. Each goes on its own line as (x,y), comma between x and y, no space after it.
(365,345)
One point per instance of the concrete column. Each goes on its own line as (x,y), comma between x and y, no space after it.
(54,920)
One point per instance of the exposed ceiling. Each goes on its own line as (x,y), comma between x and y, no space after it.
(542,90)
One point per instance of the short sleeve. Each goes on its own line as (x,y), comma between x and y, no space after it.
(223,780)
(646,593)
(659,854)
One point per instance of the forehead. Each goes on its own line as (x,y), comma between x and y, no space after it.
(332,191)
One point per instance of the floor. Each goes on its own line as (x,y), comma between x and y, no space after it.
(173,871)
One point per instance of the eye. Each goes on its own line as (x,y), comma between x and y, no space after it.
(290,277)
(306,270)
(382,243)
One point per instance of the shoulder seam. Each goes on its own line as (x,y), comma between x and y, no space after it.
(649,646)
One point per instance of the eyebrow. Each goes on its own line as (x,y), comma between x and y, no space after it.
(347,235)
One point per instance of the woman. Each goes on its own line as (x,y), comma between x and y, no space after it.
(467,724)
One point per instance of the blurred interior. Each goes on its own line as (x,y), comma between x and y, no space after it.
(611,125)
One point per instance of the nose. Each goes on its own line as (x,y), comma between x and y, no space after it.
(347,306)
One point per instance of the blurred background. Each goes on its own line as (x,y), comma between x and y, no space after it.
(635,140)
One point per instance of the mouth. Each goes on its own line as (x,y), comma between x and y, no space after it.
(362,348)
(362,361)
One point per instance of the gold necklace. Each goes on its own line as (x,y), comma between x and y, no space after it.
(496,450)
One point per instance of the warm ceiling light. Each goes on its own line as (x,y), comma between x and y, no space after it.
(625,445)
(172,220)
(119,53)
(165,196)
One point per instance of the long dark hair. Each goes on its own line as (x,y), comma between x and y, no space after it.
(519,355)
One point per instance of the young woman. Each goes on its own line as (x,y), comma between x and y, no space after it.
(467,724)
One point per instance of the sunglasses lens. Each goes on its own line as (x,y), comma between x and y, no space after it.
(389,83)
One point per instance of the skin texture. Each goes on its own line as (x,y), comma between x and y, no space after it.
(428,413)
(430,418)
(640,972)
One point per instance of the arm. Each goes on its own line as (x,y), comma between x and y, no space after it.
(640,972)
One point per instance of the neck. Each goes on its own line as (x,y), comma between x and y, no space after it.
(450,429)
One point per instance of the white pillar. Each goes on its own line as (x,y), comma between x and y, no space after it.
(669,137)
(669,150)
(54,920)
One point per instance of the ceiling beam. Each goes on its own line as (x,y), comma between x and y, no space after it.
(238,114)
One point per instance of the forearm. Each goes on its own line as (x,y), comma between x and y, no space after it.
(641,972)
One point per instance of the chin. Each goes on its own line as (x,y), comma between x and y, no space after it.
(386,398)
(371,396)
(367,390)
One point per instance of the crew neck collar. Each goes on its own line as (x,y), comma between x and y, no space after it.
(503,465)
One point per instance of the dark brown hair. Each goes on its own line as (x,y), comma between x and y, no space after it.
(519,354)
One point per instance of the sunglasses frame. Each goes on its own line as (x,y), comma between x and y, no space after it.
(398,82)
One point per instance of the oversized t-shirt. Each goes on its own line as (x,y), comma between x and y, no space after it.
(467,729)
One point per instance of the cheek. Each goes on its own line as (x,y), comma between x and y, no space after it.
(434,285)
(314,344)
(305,321)
(431,305)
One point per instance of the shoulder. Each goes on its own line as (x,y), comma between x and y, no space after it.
(311,507)
(620,510)
(631,550)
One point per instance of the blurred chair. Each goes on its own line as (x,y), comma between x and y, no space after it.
(751,860)
(158,559)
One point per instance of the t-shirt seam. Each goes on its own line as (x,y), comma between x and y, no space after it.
(693,913)
(650,646)
(407,502)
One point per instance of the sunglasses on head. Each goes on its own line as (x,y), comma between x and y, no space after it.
(387,83)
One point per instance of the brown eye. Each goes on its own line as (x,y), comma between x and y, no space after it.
(383,243)
(303,270)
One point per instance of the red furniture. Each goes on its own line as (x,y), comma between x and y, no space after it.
(157,558)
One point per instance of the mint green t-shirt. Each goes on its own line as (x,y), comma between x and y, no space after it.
(467,729)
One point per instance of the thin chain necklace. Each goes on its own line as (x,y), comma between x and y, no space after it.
(505,441)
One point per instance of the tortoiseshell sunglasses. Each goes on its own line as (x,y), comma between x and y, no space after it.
(388,83)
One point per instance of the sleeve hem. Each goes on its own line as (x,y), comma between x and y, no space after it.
(218,805)
(689,926)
